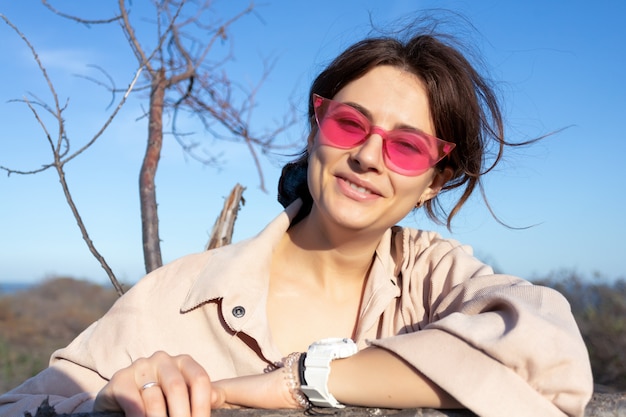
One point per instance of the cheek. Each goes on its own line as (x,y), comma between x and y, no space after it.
(322,155)
(410,189)
(314,173)
(321,161)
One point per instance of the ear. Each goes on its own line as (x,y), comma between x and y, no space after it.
(439,180)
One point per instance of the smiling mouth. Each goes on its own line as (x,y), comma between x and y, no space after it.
(358,188)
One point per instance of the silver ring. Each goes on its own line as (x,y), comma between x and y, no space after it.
(149,385)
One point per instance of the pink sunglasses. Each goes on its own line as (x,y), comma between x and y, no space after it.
(405,151)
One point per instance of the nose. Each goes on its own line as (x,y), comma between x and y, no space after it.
(369,155)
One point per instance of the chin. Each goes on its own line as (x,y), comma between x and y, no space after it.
(354,220)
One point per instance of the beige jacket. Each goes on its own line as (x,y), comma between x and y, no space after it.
(499,345)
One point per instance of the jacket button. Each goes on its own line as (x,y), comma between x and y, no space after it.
(239,311)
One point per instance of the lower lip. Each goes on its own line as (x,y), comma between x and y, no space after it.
(350,192)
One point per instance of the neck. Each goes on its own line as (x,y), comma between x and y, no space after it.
(343,256)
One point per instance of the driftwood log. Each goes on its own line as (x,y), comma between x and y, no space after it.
(601,405)
(222,232)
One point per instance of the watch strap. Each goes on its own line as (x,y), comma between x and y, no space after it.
(301,368)
(316,369)
(316,388)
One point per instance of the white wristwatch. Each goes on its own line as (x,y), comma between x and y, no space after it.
(317,369)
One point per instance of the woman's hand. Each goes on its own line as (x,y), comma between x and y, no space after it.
(158,386)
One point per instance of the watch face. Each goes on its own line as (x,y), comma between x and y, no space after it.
(333,348)
(334,341)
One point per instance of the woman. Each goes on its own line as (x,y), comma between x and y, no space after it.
(393,124)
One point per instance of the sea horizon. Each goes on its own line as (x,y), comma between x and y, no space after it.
(13,287)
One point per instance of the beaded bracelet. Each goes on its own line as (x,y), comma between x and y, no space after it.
(290,369)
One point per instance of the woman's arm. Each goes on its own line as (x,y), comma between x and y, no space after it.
(376,377)
(373,377)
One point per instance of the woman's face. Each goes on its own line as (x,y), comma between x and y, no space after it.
(353,187)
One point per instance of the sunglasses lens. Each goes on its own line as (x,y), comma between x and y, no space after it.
(343,126)
(406,152)
(409,153)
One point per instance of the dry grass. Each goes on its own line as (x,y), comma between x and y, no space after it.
(36,322)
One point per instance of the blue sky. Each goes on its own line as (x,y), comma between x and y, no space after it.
(556,64)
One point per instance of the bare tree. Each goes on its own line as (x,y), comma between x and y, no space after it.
(184,78)
(60,146)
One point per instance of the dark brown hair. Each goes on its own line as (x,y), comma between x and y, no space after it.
(464,108)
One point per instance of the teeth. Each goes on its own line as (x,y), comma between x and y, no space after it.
(359,189)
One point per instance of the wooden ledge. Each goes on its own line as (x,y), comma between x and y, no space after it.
(601,405)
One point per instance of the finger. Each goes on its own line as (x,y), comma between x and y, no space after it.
(154,402)
(147,382)
(218,397)
(120,394)
(199,385)
(175,386)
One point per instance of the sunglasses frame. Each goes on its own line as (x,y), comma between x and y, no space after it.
(321,106)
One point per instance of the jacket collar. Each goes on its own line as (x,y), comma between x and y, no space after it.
(238,276)
(243,267)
